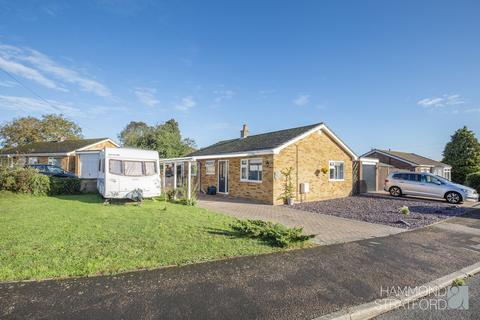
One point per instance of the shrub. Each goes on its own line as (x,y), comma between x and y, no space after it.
(473,181)
(273,233)
(24,180)
(60,186)
(458,282)
(405,210)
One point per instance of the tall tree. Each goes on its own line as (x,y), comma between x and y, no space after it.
(26,130)
(463,154)
(165,138)
(134,133)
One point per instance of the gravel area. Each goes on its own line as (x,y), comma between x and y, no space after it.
(385,210)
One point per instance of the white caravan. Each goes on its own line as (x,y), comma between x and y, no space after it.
(124,173)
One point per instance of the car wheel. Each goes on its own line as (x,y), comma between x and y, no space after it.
(453,197)
(395,191)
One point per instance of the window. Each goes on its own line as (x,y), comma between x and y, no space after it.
(447,173)
(115,166)
(103,165)
(251,170)
(209,167)
(424,169)
(132,168)
(336,170)
(99,165)
(32,160)
(150,168)
(194,169)
(54,161)
(55,170)
(430,179)
(413,177)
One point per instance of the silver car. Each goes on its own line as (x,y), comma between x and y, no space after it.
(428,185)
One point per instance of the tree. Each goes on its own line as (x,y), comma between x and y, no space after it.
(26,130)
(134,133)
(164,138)
(463,154)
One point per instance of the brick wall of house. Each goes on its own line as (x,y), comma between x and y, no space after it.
(308,157)
(261,191)
(391,161)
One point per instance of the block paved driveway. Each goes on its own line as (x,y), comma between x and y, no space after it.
(327,229)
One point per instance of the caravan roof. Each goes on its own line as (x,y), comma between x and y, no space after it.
(131,153)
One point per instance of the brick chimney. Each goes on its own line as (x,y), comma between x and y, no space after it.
(244,132)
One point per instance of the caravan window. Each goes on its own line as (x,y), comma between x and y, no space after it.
(150,168)
(115,166)
(132,168)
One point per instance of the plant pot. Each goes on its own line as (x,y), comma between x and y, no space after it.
(290,201)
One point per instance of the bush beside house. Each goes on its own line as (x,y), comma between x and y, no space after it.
(24,180)
(473,181)
(30,181)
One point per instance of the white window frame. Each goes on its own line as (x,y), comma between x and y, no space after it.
(209,164)
(32,160)
(447,173)
(247,166)
(194,173)
(331,165)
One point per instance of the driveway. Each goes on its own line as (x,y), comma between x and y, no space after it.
(326,228)
(384,209)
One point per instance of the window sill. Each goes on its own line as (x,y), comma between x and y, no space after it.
(251,181)
(336,180)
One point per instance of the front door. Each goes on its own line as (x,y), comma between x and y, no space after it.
(223,176)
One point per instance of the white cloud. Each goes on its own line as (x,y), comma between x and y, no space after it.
(34,65)
(186,103)
(147,96)
(222,95)
(301,100)
(27,104)
(28,73)
(472,110)
(443,101)
(8,84)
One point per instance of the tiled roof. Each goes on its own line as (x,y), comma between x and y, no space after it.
(269,140)
(52,146)
(414,158)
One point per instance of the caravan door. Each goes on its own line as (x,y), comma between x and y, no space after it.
(114,177)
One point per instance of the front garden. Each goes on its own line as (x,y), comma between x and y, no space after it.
(78,235)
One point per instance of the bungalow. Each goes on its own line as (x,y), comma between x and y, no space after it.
(250,166)
(76,156)
(388,161)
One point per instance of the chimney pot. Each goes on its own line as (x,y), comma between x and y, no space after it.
(244,131)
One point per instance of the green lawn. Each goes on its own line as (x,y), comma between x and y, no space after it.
(46,237)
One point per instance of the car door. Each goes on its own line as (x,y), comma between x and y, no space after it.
(431,186)
(412,184)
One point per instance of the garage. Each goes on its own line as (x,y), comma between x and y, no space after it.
(368,175)
(88,165)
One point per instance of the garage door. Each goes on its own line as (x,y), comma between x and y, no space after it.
(369,173)
(89,165)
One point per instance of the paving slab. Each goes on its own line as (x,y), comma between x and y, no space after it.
(326,228)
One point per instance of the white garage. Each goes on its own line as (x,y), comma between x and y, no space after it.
(88,164)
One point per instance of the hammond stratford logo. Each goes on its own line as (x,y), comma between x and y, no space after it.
(449,298)
(457,297)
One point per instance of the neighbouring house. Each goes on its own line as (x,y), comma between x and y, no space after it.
(250,166)
(389,161)
(76,156)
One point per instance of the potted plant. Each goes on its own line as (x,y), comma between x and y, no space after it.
(287,194)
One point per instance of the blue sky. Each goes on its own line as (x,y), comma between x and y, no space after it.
(387,74)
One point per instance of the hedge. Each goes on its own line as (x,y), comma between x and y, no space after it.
(473,181)
(59,186)
(24,180)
